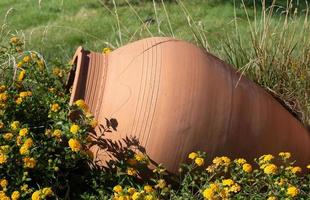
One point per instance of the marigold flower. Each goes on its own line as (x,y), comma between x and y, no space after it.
(240,161)
(308,166)
(192,155)
(106,50)
(74,145)
(199,161)
(270,169)
(55,107)
(208,193)
(285,155)
(131,190)
(25,94)
(292,191)
(15,195)
(47,191)
(118,189)
(81,104)
(26,59)
(1,125)
(131,171)
(14,40)
(24,150)
(235,188)
(148,189)
(296,170)
(2,88)
(36,195)
(8,136)
(247,168)
(272,198)
(4,97)
(29,162)
(57,133)
(4,183)
(161,183)
(74,128)
(136,196)
(266,158)
(140,157)
(3,158)
(23,132)
(15,125)
(19,100)
(93,123)
(228,182)
(20,64)
(21,75)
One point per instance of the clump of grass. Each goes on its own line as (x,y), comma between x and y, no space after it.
(275,52)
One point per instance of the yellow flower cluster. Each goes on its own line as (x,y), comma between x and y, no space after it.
(133,194)
(292,191)
(42,194)
(74,129)
(55,107)
(198,160)
(74,144)
(29,162)
(81,104)
(26,146)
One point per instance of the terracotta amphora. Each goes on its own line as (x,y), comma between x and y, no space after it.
(175,98)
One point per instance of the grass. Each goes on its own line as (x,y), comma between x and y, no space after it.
(270,44)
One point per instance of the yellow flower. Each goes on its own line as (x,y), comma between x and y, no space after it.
(140,157)
(93,123)
(29,162)
(19,100)
(149,197)
(8,136)
(308,166)
(270,169)
(36,195)
(106,50)
(4,183)
(285,155)
(292,191)
(118,189)
(74,128)
(161,184)
(14,40)
(21,75)
(235,188)
(47,191)
(57,133)
(4,97)
(208,193)
(247,168)
(1,124)
(131,191)
(15,195)
(266,158)
(24,187)
(131,171)
(3,158)
(26,59)
(55,107)
(148,189)
(81,104)
(227,182)
(15,125)
(136,196)
(221,161)
(24,150)
(19,140)
(74,145)
(199,161)
(20,64)
(2,88)
(25,94)
(240,161)
(272,198)
(28,143)
(23,132)
(192,155)
(296,169)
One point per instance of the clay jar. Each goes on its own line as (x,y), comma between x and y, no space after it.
(177,98)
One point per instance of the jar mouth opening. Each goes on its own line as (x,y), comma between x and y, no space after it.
(87,77)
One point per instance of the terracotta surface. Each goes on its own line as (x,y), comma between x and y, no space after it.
(177,98)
